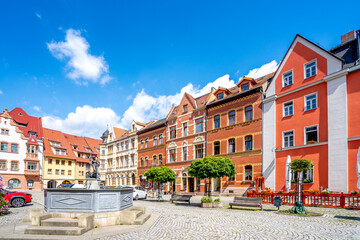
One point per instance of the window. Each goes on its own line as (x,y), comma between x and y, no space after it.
(146,162)
(57,171)
(172,155)
(118,147)
(132,143)
(14,183)
(288,108)
(289,139)
(142,144)
(287,78)
(173,132)
(4,147)
(127,161)
(245,87)
(160,139)
(57,162)
(49,171)
(217,121)
(310,69)
(57,151)
(133,160)
(69,172)
(154,160)
(14,148)
(248,113)
(3,165)
(32,166)
(308,176)
(232,178)
(185,108)
(248,173)
(311,134)
(310,102)
(185,154)
(231,117)
(62,162)
(248,143)
(199,150)
(14,166)
(69,163)
(127,144)
(199,125)
(216,148)
(122,146)
(62,172)
(220,96)
(232,145)
(146,143)
(142,162)
(155,140)
(160,159)
(185,129)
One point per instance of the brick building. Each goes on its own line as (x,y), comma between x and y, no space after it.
(151,149)
(234,122)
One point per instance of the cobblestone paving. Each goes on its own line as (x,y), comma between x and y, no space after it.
(180,221)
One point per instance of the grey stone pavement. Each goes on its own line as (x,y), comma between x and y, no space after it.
(181,221)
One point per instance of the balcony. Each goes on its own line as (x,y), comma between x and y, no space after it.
(32,156)
(32,172)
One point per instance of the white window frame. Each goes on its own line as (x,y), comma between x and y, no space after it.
(283,78)
(317,129)
(314,60)
(316,99)
(292,101)
(283,137)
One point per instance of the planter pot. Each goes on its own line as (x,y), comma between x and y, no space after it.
(207,205)
(217,205)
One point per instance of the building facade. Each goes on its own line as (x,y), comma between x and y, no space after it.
(119,160)
(308,112)
(151,150)
(21,150)
(234,121)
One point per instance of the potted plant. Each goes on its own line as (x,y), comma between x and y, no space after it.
(326,191)
(354,192)
(217,203)
(206,202)
(292,191)
(281,191)
(313,192)
(307,181)
(311,142)
(292,181)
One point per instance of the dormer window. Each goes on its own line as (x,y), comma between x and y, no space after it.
(185,108)
(75,147)
(245,87)
(32,134)
(220,96)
(133,127)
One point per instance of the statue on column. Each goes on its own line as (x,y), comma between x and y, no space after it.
(95,166)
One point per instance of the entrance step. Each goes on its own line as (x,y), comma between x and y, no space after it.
(51,230)
(60,222)
(142,219)
(138,213)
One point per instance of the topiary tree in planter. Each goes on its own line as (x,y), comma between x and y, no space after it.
(4,204)
(159,175)
(211,167)
(299,166)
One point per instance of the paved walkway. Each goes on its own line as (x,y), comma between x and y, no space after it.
(181,221)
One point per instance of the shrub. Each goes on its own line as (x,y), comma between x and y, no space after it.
(206,200)
(354,192)
(217,200)
(281,191)
(313,192)
(4,204)
(326,191)
(307,181)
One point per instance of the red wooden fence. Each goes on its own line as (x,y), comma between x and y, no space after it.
(340,200)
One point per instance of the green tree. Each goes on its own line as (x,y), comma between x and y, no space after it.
(211,167)
(299,166)
(159,175)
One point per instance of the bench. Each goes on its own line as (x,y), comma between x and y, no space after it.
(180,198)
(247,202)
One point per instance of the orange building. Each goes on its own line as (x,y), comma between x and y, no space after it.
(309,112)
(234,121)
(151,149)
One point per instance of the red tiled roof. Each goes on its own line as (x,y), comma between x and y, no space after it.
(27,123)
(53,135)
(118,132)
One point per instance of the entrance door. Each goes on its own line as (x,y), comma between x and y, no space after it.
(191,184)
(51,184)
(216,184)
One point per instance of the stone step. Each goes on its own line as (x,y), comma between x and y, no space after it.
(138,213)
(60,222)
(51,230)
(142,219)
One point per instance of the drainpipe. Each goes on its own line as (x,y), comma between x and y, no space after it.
(358,46)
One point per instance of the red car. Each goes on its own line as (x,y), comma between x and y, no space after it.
(17,199)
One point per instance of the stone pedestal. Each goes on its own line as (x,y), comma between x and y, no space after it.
(92,183)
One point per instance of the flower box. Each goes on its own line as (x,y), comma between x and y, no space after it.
(207,204)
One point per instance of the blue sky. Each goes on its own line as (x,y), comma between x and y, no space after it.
(84,64)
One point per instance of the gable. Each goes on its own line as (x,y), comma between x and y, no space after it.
(300,52)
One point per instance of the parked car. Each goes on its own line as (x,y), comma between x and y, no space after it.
(17,199)
(65,185)
(80,186)
(138,192)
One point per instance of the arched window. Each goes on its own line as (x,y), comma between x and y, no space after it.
(217,121)
(232,145)
(142,144)
(248,113)
(232,117)
(216,148)
(154,160)
(155,140)
(160,159)
(248,173)
(147,143)
(146,162)
(160,139)
(248,143)
(142,162)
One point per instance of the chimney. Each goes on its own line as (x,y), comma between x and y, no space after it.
(348,36)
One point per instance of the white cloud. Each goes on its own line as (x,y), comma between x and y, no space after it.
(38,15)
(82,67)
(85,121)
(37,108)
(1,92)
(263,70)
